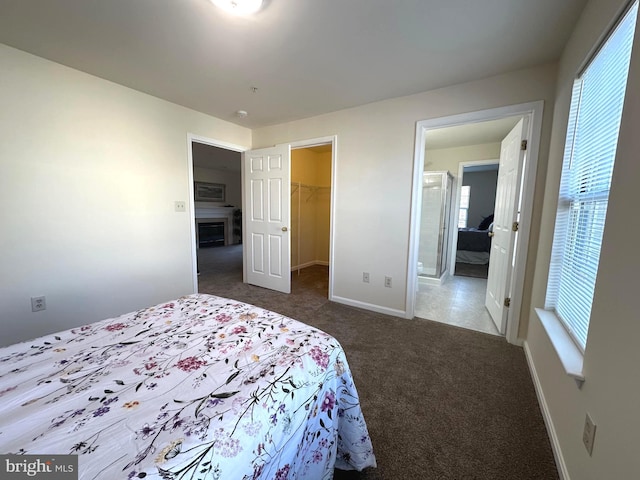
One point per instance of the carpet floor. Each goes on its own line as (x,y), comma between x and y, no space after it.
(440,402)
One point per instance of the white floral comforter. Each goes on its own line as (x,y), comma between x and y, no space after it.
(201,387)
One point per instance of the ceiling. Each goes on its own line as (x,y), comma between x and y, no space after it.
(304,57)
(479,133)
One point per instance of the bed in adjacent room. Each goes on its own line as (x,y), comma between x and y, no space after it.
(200,387)
(474,246)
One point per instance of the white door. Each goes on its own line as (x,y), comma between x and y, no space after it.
(505,214)
(267,210)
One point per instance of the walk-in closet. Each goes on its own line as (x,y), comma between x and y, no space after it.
(310,207)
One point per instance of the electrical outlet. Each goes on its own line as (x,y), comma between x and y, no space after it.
(365,277)
(38,304)
(387,282)
(589,434)
(180,206)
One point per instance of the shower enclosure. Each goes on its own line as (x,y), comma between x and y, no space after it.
(433,251)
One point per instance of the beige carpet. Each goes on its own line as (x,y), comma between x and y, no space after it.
(440,402)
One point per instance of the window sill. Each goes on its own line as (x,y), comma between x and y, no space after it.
(570,355)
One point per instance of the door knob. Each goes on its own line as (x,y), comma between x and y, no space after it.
(490,234)
(284,229)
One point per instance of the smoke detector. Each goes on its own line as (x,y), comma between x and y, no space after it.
(239,7)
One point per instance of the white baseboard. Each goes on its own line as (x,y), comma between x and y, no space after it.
(309,264)
(551,431)
(422,280)
(369,306)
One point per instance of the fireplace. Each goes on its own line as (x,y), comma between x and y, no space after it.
(211,232)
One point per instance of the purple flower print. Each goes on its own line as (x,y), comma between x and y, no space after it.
(317,456)
(100,411)
(321,358)
(146,431)
(190,364)
(328,402)
(223,318)
(283,473)
(114,327)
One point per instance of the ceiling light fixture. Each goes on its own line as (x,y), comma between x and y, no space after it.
(239,7)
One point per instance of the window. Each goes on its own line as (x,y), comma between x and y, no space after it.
(463,213)
(589,155)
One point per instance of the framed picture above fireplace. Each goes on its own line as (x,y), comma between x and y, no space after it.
(209,192)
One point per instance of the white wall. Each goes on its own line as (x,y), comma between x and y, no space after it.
(450,158)
(611,392)
(89,172)
(375,152)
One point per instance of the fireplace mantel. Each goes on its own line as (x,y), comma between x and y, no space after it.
(205,211)
(206,214)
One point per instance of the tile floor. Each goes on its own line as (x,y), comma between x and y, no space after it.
(458,301)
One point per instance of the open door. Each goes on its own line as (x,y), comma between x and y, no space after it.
(506,212)
(266,203)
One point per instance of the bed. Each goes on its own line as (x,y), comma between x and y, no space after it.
(199,387)
(474,246)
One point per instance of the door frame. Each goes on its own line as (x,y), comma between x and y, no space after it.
(534,111)
(191,137)
(453,240)
(315,142)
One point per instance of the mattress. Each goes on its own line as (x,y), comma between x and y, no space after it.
(199,387)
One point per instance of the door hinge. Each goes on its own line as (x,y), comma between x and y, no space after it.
(507,302)
(523,145)
(515,226)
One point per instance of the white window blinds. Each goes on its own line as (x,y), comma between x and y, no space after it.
(590,149)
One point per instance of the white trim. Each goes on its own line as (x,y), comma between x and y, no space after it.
(534,110)
(561,465)
(192,206)
(370,306)
(315,142)
(570,355)
(424,280)
(216,143)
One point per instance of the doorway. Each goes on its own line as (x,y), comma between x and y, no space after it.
(444,144)
(457,297)
(267,192)
(229,262)
(215,200)
(311,212)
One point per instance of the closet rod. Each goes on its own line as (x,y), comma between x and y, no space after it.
(299,184)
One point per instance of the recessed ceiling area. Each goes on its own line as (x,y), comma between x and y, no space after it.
(305,57)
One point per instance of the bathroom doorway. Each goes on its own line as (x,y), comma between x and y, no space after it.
(442,145)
